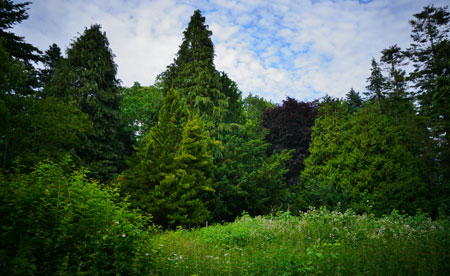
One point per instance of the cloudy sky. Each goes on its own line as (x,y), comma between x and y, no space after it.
(298,48)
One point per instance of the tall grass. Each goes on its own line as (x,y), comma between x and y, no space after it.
(317,242)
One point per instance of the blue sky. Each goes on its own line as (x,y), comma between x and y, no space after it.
(298,48)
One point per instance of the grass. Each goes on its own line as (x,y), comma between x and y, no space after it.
(317,242)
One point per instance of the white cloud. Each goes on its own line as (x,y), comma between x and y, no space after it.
(298,48)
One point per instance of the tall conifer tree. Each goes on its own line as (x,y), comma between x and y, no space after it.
(194,75)
(88,77)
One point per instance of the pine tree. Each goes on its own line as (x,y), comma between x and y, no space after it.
(88,77)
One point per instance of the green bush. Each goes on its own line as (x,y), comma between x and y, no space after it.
(56,222)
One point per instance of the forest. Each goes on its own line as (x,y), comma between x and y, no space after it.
(188,177)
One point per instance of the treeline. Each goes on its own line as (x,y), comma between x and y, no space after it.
(87,165)
(190,149)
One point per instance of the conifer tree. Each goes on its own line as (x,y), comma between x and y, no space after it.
(377,83)
(11,14)
(88,77)
(363,161)
(51,59)
(170,171)
(207,92)
(353,100)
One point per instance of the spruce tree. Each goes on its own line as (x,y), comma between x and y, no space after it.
(88,77)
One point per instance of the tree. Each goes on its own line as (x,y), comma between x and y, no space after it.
(208,93)
(353,100)
(364,162)
(11,14)
(171,167)
(377,83)
(254,106)
(429,55)
(289,127)
(139,108)
(88,77)
(246,179)
(51,59)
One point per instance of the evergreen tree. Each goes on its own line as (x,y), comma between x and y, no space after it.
(246,178)
(429,55)
(10,15)
(364,162)
(88,77)
(377,83)
(207,92)
(393,58)
(50,59)
(353,100)
(170,171)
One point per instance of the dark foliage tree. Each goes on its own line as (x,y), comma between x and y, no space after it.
(50,59)
(11,14)
(88,77)
(289,127)
(429,55)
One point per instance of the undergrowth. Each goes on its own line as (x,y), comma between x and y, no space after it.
(317,242)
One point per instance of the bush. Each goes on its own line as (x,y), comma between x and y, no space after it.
(56,222)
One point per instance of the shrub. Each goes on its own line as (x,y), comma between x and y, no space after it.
(57,222)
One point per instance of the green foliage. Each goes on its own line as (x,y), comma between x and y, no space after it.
(139,108)
(88,77)
(255,105)
(246,178)
(317,242)
(353,100)
(208,93)
(58,222)
(170,171)
(10,15)
(35,129)
(51,60)
(362,161)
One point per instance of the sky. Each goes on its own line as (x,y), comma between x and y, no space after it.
(303,49)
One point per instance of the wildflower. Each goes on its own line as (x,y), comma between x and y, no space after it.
(117,222)
(216,258)
(124,235)
(226,254)
(146,254)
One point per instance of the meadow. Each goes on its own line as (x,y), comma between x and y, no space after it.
(316,242)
